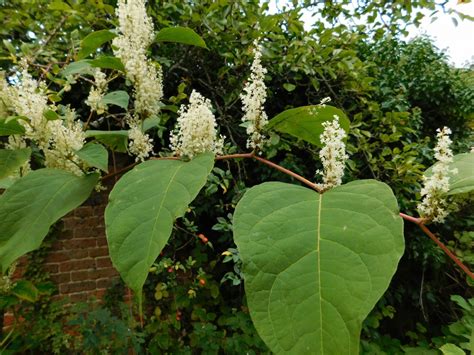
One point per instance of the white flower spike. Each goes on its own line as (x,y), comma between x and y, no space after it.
(196,129)
(333,154)
(253,98)
(434,205)
(135,35)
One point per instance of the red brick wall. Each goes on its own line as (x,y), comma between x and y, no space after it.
(78,262)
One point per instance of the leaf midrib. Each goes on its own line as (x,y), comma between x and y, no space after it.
(318,238)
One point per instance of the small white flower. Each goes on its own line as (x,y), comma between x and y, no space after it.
(324,101)
(139,144)
(96,94)
(434,205)
(67,137)
(333,154)
(253,98)
(135,35)
(196,129)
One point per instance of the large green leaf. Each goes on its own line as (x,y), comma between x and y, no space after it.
(142,208)
(95,155)
(306,122)
(115,140)
(180,35)
(315,265)
(79,67)
(9,127)
(12,159)
(94,40)
(107,62)
(119,98)
(463,181)
(25,290)
(32,204)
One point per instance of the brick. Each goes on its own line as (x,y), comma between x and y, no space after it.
(57,256)
(82,275)
(102,273)
(76,265)
(74,287)
(98,251)
(80,243)
(78,297)
(84,233)
(67,234)
(51,268)
(104,283)
(61,278)
(100,292)
(84,211)
(103,262)
(101,241)
(70,223)
(78,254)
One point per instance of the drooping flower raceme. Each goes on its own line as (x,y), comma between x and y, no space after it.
(96,94)
(253,98)
(67,137)
(434,205)
(333,154)
(135,35)
(196,129)
(58,139)
(140,144)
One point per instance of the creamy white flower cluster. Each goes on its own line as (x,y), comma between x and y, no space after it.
(135,35)
(97,92)
(67,138)
(196,129)
(253,98)
(434,205)
(58,139)
(140,144)
(6,281)
(333,154)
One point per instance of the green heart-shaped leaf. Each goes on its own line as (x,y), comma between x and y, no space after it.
(12,159)
(182,35)
(315,265)
(463,180)
(143,207)
(306,122)
(32,204)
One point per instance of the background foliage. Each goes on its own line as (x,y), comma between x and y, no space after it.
(396,94)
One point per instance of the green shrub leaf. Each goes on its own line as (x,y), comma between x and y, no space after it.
(25,290)
(142,208)
(119,98)
(306,122)
(182,35)
(115,140)
(107,62)
(32,204)
(79,67)
(463,181)
(9,127)
(12,159)
(94,40)
(315,265)
(95,155)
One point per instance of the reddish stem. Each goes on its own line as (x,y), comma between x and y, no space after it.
(424,228)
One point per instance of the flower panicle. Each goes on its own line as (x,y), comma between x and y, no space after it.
(196,129)
(333,154)
(135,35)
(434,205)
(140,144)
(253,99)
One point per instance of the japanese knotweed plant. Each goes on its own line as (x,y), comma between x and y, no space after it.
(316,257)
